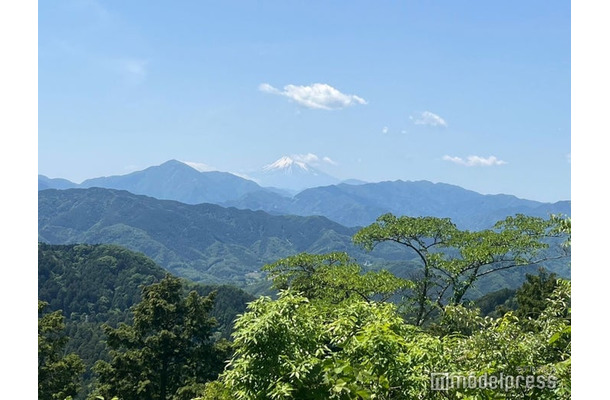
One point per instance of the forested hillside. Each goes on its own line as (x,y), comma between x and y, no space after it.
(203,242)
(97,284)
(209,243)
(335,330)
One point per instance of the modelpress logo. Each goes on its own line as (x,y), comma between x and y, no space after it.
(448,381)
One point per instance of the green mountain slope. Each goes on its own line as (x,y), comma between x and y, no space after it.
(209,243)
(96,284)
(203,242)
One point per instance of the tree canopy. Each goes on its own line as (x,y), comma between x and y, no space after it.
(167,352)
(294,348)
(59,375)
(337,329)
(453,260)
(333,332)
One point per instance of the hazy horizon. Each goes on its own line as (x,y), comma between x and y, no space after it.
(206,169)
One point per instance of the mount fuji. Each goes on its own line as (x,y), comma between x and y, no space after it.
(292,174)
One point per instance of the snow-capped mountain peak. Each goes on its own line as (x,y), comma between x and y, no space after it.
(286,163)
(293,173)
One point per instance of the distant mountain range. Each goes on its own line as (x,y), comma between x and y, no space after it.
(213,244)
(174,180)
(351,203)
(54,183)
(359,205)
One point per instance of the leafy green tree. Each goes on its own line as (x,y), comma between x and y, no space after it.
(333,334)
(59,375)
(505,346)
(167,353)
(294,348)
(534,295)
(563,226)
(453,260)
(497,303)
(333,278)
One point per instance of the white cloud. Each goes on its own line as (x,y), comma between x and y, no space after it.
(316,96)
(385,130)
(313,159)
(429,119)
(134,70)
(308,158)
(475,161)
(569,157)
(267,88)
(135,67)
(201,167)
(329,161)
(245,176)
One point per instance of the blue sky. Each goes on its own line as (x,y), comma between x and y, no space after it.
(473,93)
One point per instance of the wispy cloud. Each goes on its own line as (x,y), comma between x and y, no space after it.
(97,16)
(245,176)
(313,159)
(91,8)
(428,118)
(385,130)
(134,70)
(201,167)
(569,157)
(328,160)
(475,161)
(98,8)
(308,158)
(317,96)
